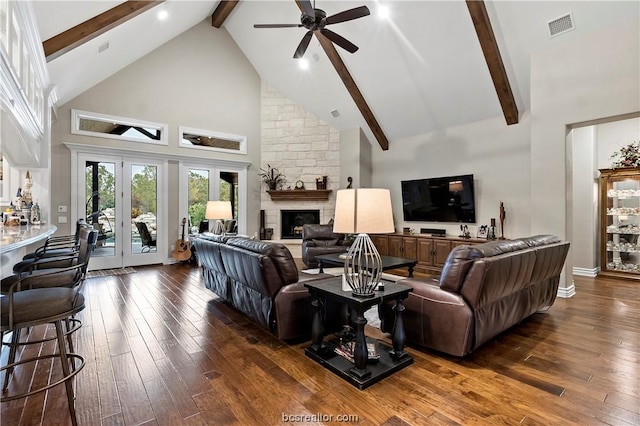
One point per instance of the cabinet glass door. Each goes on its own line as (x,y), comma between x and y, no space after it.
(621,223)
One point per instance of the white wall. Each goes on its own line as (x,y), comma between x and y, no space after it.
(497,155)
(528,165)
(300,146)
(591,149)
(199,79)
(613,136)
(588,78)
(584,198)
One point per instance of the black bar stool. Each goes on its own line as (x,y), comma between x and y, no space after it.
(27,308)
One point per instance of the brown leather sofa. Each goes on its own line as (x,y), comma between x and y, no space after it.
(483,290)
(320,239)
(262,280)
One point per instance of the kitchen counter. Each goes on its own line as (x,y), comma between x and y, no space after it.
(15,239)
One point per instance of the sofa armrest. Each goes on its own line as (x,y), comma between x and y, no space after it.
(433,317)
(429,289)
(294,313)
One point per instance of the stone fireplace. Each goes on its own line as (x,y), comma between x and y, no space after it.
(292,221)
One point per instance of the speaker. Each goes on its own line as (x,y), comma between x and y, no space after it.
(433,231)
(262,236)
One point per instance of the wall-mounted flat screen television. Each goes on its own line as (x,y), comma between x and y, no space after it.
(441,199)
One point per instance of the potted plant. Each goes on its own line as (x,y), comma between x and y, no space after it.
(272,177)
(628,156)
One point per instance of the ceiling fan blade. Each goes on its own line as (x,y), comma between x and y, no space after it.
(302,47)
(348,15)
(307,9)
(277,25)
(339,40)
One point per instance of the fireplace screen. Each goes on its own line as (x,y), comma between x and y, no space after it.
(292,221)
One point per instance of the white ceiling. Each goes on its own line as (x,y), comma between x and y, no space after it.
(421,71)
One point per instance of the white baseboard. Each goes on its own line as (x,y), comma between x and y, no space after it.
(586,272)
(567,292)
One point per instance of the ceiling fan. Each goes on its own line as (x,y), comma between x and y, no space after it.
(315,20)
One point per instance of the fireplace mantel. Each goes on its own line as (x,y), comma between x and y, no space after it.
(300,195)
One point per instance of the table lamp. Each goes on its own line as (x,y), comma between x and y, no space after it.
(362,211)
(218,210)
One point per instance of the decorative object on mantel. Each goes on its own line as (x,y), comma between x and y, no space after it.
(628,156)
(350,182)
(300,195)
(299,184)
(272,177)
(321,182)
(503,215)
(464,232)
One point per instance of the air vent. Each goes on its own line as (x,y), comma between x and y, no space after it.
(561,25)
(335,113)
(103,47)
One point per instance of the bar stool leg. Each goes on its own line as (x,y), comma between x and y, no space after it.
(64,361)
(13,348)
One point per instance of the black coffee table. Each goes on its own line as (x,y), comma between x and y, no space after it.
(361,373)
(388,262)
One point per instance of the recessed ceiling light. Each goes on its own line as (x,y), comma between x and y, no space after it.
(163,14)
(383,12)
(303,63)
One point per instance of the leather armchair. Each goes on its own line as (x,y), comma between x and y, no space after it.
(320,239)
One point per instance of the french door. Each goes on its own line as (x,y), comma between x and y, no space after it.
(124,199)
(204,182)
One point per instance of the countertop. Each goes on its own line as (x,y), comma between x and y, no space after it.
(15,237)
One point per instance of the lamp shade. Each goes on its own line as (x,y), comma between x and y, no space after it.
(218,210)
(363,210)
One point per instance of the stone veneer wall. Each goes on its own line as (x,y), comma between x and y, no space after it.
(302,147)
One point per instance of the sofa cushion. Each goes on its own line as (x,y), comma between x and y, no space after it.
(278,253)
(325,243)
(213,237)
(319,232)
(495,248)
(540,240)
(456,267)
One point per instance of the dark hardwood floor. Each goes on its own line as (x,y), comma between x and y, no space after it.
(160,349)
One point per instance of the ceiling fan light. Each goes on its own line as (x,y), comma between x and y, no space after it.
(303,63)
(383,12)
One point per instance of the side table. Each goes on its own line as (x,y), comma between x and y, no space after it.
(361,373)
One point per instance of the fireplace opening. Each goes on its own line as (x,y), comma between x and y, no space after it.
(292,221)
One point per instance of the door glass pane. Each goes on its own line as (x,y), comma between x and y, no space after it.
(100,193)
(198,197)
(144,208)
(229,192)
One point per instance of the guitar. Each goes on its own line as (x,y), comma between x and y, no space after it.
(182,250)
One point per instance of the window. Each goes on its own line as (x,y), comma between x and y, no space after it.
(213,141)
(107,126)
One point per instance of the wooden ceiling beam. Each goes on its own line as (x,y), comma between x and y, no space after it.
(351,86)
(92,28)
(491,52)
(222,12)
(353,89)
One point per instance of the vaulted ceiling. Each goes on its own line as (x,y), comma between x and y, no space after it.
(429,66)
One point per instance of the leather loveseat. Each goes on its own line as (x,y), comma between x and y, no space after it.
(483,290)
(262,280)
(320,239)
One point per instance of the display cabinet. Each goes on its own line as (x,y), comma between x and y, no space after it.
(620,222)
